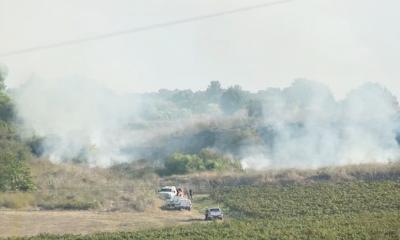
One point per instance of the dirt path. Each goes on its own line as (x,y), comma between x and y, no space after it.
(28,223)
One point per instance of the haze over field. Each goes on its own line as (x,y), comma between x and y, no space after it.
(340,43)
(87,101)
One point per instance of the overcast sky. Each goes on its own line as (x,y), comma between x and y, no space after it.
(342,43)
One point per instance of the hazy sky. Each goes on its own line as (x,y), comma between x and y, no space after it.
(342,43)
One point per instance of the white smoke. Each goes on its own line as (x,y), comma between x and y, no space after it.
(305,125)
(312,129)
(77,117)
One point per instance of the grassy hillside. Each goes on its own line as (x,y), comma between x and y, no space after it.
(78,187)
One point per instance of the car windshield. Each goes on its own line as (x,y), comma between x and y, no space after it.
(166,190)
(215,210)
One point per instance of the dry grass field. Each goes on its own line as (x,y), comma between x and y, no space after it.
(30,223)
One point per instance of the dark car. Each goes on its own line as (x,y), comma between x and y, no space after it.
(213,213)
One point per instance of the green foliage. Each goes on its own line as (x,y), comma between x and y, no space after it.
(214,91)
(68,205)
(255,109)
(14,171)
(3,74)
(206,160)
(180,163)
(6,108)
(233,99)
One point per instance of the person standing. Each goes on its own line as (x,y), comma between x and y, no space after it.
(190,193)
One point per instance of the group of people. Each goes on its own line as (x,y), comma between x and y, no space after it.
(181,193)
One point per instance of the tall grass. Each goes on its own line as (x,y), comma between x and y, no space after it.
(80,187)
(205,182)
(17,200)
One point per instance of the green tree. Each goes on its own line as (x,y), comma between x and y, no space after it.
(214,91)
(255,109)
(233,99)
(3,74)
(177,164)
(14,154)
(6,106)
(14,171)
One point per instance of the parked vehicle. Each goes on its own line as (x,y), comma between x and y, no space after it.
(167,192)
(213,213)
(178,203)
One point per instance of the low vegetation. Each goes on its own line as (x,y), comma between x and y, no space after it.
(206,160)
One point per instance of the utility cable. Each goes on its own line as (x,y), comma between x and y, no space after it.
(140,29)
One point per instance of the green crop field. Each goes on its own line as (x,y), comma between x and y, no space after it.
(314,200)
(349,210)
(358,226)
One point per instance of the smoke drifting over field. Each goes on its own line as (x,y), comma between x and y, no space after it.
(311,129)
(298,126)
(78,119)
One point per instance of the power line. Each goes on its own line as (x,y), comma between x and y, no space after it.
(140,29)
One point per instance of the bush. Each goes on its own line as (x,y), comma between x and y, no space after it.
(14,171)
(68,205)
(206,160)
(7,113)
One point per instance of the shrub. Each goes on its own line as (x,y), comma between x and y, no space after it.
(207,159)
(14,171)
(67,205)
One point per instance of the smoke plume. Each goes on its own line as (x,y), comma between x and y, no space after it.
(302,125)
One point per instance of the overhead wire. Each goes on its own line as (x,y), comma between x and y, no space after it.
(139,29)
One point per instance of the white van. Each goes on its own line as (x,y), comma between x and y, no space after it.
(167,192)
